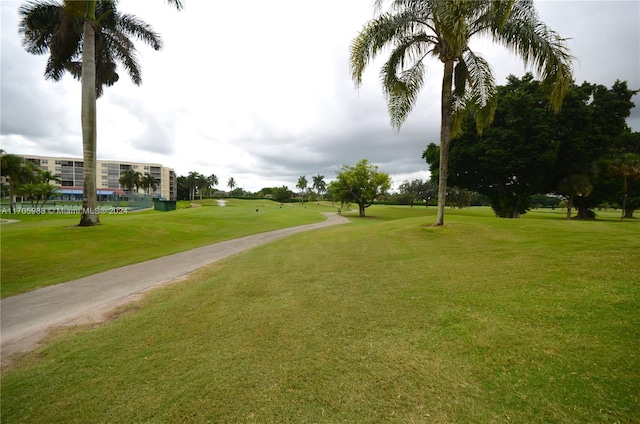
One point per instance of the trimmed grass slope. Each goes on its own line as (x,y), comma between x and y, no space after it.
(44,250)
(388,320)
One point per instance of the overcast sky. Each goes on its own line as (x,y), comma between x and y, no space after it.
(261,91)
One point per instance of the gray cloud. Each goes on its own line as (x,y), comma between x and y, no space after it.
(273,99)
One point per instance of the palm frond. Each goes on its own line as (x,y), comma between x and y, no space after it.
(402,92)
(480,77)
(540,47)
(38,22)
(475,92)
(177,3)
(122,49)
(377,34)
(132,25)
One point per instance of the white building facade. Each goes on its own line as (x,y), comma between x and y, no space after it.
(108,172)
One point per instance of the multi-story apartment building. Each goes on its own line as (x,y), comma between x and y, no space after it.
(108,172)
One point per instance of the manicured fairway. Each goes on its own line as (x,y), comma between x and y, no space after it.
(44,250)
(385,320)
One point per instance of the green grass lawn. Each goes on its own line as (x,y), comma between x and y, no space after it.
(44,250)
(385,320)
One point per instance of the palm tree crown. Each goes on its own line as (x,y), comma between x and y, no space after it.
(57,29)
(130,180)
(418,29)
(148,182)
(319,185)
(231,183)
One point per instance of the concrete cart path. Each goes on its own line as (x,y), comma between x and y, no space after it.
(27,318)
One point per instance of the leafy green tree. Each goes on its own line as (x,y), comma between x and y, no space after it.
(238,192)
(609,188)
(27,180)
(37,193)
(417,29)
(597,122)
(302,186)
(626,167)
(183,191)
(572,186)
(319,185)
(514,158)
(282,194)
(148,183)
(529,149)
(130,180)
(459,197)
(266,192)
(87,39)
(361,184)
(12,167)
(418,189)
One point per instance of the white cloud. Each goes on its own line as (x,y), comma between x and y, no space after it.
(261,91)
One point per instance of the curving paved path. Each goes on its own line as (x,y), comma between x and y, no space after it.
(27,318)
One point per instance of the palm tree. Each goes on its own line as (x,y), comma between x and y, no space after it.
(203,184)
(417,29)
(572,186)
(192,182)
(319,185)
(13,169)
(87,39)
(46,176)
(17,173)
(302,185)
(130,180)
(213,181)
(626,166)
(148,183)
(231,183)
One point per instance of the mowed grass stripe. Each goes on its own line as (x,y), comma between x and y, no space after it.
(44,250)
(485,320)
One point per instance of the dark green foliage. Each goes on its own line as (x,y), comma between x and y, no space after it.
(530,150)
(594,118)
(619,182)
(504,162)
(282,194)
(26,179)
(182,188)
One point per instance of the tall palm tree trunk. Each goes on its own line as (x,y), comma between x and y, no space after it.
(446,109)
(90,215)
(12,198)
